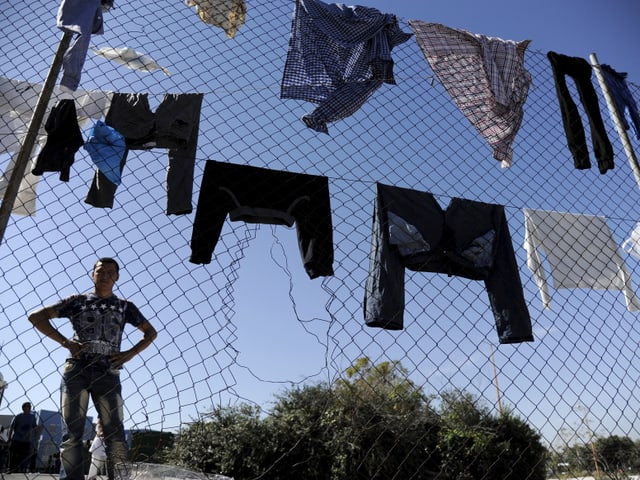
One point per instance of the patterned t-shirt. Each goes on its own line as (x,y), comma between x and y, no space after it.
(98,322)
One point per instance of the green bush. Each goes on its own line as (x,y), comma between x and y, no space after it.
(373,424)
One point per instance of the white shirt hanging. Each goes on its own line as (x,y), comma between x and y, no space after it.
(581,252)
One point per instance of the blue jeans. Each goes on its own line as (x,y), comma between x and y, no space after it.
(81,379)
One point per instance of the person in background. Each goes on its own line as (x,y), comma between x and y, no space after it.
(4,447)
(93,367)
(20,436)
(98,453)
(35,443)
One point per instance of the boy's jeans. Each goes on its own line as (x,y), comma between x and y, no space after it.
(95,378)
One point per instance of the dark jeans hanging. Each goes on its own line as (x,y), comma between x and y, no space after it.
(174,126)
(580,70)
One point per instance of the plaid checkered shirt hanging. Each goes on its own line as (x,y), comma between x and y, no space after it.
(338,57)
(485,77)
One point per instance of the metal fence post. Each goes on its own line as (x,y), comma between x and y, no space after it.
(617,118)
(26,148)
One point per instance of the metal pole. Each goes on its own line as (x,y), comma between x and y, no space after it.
(495,380)
(617,118)
(31,136)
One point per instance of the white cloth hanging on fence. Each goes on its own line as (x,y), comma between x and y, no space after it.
(581,252)
(632,244)
(130,58)
(485,77)
(18,100)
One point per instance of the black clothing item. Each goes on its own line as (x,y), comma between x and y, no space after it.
(174,125)
(260,195)
(63,140)
(19,453)
(580,70)
(469,239)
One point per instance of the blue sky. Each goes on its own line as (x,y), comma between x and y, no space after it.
(251,323)
(571,27)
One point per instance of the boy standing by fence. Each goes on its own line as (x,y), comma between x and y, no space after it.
(93,368)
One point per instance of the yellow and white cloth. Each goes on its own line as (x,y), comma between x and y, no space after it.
(226,14)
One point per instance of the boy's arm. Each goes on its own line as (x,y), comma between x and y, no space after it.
(149,335)
(41,320)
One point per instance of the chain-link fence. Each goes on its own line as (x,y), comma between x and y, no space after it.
(252,323)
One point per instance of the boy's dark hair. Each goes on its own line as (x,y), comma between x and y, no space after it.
(107,260)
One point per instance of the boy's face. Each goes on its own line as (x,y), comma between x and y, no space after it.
(105,275)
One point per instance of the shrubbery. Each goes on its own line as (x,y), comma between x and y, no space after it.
(373,424)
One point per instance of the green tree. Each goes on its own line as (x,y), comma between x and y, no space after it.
(300,439)
(383,425)
(230,441)
(579,457)
(148,446)
(372,424)
(475,444)
(615,453)
(615,456)
(635,463)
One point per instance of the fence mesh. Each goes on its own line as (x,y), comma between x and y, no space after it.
(251,323)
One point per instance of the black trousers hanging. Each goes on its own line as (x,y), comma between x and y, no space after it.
(580,70)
